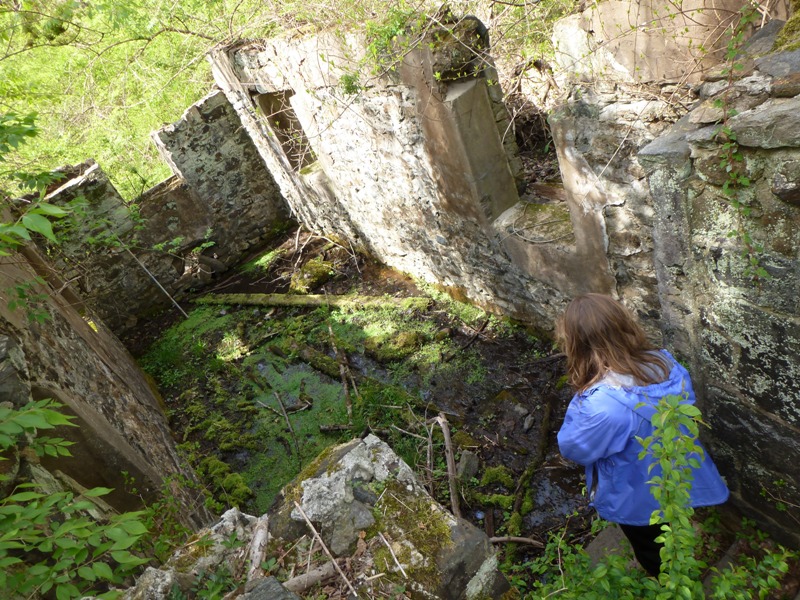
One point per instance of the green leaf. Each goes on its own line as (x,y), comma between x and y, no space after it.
(98,491)
(87,573)
(24,497)
(103,571)
(134,527)
(67,591)
(50,210)
(39,224)
(124,544)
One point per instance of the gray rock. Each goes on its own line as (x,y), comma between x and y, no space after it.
(763,40)
(155,584)
(528,423)
(467,466)
(773,124)
(267,588)
(780,64)
(786,182)
(342,532)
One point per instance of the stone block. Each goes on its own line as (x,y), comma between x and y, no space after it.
(767,355)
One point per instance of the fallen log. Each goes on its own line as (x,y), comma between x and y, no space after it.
(301,583)
(341,301)
(516,540)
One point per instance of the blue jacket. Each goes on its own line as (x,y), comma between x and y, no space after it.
(599,432)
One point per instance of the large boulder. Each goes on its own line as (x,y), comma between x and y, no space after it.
(366,502)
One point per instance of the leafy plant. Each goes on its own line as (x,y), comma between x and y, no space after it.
(50,541)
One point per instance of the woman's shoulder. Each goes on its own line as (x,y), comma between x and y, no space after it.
(601,398)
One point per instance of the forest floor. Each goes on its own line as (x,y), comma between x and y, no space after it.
(255,392)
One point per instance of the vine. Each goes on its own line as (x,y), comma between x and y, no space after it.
(732,162)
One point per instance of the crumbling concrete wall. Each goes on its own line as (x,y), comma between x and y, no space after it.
(48,349)
(737,324)
(220,205)
(412,164)
(650,190)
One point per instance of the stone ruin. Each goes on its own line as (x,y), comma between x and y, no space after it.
(421,170)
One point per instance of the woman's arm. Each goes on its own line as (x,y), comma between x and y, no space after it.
(595,426)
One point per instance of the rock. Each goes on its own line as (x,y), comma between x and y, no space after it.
(155,584)
(442,556)
(528,423)
(467,466)
(267,588)
(328,497)
(780,64)
(773,124)
(786,182)
(234,529)
(786,87)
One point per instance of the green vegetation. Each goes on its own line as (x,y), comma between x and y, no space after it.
(566,571)
(228,373)
(102,76)
(53,540)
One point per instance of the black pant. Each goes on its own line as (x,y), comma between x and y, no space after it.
(645,547)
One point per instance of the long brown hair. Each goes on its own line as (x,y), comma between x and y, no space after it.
(598,334)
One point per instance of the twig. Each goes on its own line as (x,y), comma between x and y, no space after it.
(419,437)
(519,540)
(297,238)
(268,407)
(325,548)
(300,583)
(334,428)
(311,555)
(471,340)
(161,287)
(451,464)
(394,556)
(429,458)
(291,429)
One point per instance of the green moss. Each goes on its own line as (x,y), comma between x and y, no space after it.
(229,486)
(312,274)
(263,263)
(514,524)
(462,439)
(527,503)
(417,520)
(789,37)
(498,474)
(498,500)
(293,492)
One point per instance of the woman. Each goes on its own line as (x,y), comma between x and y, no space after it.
(620,378)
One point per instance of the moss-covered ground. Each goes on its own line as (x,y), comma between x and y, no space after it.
(255,393)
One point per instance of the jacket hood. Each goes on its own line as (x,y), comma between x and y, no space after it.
(643,399)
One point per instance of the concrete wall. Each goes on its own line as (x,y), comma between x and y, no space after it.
(68,357)
(413,166)
(653,41)
(409,167)
(742,333)
(220,205)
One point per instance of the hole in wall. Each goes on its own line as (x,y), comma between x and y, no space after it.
(277,110)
